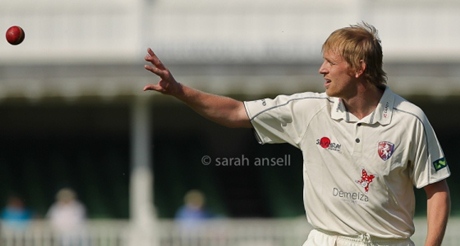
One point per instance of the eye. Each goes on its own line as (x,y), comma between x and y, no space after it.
(330,62)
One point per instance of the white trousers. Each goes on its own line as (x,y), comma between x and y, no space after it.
(317,238)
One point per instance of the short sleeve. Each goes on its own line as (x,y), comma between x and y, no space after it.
(430,164)
(283,119)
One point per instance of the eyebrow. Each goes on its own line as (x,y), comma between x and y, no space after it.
(330,60)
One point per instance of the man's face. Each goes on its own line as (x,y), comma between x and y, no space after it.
(338,75)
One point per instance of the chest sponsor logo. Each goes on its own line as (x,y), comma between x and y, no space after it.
(385,150)
(326,143)
(366,180)
(352,197)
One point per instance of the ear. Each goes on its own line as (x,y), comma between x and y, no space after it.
(360,70)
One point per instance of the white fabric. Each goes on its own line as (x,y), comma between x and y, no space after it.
(317,238)
(67,217)
(358,174)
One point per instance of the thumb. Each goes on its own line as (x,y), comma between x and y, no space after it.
(151,87)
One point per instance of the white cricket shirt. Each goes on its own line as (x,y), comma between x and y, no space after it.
(358,174)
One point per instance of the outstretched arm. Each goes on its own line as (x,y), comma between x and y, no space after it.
(222,110)
(438,209)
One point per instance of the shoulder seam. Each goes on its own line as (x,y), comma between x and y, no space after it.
(287,102)
(421,122)
(407,112)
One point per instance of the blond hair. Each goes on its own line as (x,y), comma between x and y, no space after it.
(358,43)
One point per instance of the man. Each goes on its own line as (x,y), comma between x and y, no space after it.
(364,147)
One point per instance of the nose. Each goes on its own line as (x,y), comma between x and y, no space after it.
(322,68)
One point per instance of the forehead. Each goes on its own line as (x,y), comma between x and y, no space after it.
(332,55)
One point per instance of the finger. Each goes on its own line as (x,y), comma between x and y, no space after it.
(150,51)
(153,58)
(155,70)
(148,88)
(152,87)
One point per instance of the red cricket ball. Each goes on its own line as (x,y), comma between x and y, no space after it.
(15,35)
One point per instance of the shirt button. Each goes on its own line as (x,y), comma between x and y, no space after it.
(357,140)
(359,124)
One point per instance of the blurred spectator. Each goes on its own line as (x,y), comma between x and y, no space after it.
(15,215)
(68,218)
(191,215)
(193,208)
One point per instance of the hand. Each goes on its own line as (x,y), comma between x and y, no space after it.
(167,84)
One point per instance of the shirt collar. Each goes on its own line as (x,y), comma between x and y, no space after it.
(382,113)
(338,110)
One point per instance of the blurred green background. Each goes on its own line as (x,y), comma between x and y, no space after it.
(53,144)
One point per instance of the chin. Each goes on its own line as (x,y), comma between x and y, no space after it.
(330,93)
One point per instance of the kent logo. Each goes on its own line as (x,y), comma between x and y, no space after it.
(440,164)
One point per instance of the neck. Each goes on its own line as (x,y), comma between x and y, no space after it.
(364,102)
